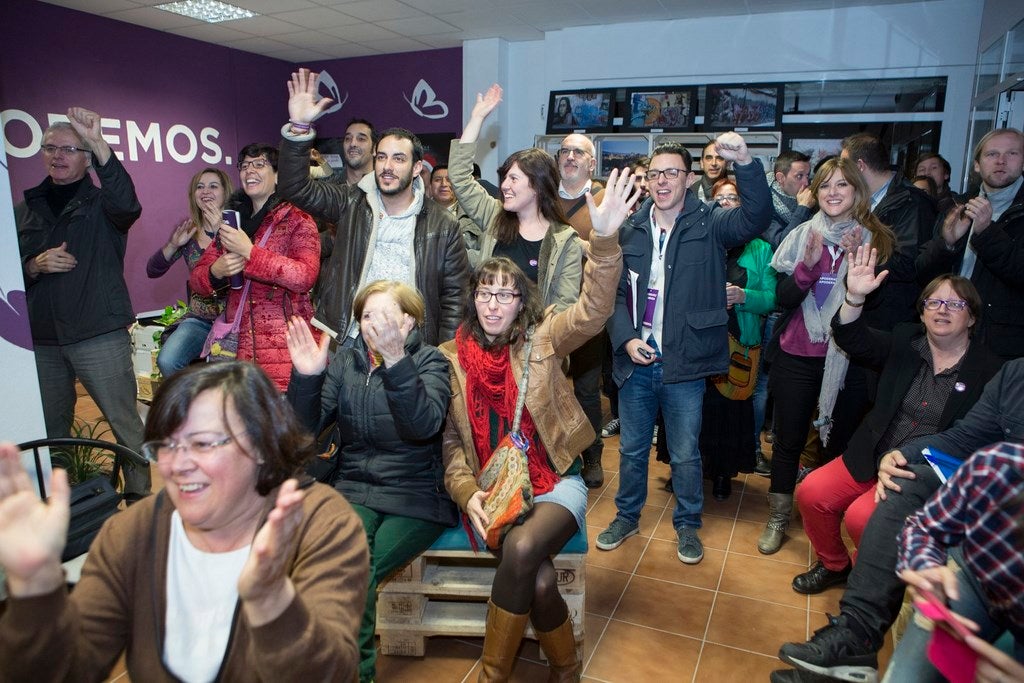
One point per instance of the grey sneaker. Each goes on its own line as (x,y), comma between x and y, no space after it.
(691,550)
(617,532)
(612,428)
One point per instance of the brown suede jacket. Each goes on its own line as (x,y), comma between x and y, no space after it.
(562,426)
(120,604)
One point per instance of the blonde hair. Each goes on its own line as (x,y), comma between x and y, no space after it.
(882,237)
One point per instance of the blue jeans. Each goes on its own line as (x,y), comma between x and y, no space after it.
(910,663)
(183,345)
(104,366)
(640,398)
(761,388)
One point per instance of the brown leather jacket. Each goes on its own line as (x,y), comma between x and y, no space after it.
(561,424)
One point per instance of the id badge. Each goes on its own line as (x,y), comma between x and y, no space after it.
(823,287)
(652,299)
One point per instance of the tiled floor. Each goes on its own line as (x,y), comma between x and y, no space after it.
(648,616)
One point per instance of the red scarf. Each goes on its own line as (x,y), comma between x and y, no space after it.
(491,387)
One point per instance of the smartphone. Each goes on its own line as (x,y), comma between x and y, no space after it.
(234,219)
(937,611)
(645,353)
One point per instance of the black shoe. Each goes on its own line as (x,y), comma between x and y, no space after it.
(818,578)
(834,650)
(721,488)
(798,676)
(762,466)
(612,428)
(593,475)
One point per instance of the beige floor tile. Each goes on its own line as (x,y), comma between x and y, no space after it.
(660,561)
(623,559)
(628,653)
(603,512)
(670,607)
(719,664)
(760,578)
(755,625)
(604,589)
(446,659)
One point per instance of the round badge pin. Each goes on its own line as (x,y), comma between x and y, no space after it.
(960,386)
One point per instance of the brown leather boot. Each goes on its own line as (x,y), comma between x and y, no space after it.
(560,647)
(501,642)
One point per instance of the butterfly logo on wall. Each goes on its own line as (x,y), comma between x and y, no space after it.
(424,102)
(332,92)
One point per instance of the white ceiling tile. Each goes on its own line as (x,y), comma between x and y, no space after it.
(442,40)
(259,44)
(318,17)
(417,26)
(379,10)
(347,50)
(260,26)
(360,32)
(398,45)
(298,56)
(210,33)
(153,18)
(268,6)
(314,40)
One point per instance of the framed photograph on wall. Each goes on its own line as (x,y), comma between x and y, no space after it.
(581,110)
(620,152)
(816,148)
(668,109)
(743,106)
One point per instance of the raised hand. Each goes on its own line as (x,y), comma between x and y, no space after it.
(54,260)
(487,102)
(304,102)
(212,216)
(263,585)
(308,357)
(805,197)
(979,210)
(860,275)
(32,532)
(812,249)
(732,147)
(87,124)
(956,224)
(182,233)
(620,194)
(386,334)
(235,241)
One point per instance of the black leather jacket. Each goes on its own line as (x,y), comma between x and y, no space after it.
(442,267)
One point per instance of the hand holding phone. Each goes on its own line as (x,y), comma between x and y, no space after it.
(234,219)
(948,649)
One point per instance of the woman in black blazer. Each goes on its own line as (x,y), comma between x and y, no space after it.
(931,374)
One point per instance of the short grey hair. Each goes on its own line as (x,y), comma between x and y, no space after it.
(65,126)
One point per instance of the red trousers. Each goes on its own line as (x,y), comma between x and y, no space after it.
(823,497)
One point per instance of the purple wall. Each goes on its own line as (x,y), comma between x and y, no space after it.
(203,99)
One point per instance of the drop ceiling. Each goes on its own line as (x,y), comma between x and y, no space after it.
(310,30)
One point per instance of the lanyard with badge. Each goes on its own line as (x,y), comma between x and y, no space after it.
(826,281)
(657,274)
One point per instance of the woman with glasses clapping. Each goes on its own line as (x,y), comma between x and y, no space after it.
(527,225)
(931,375)
(276,248)
(235,571)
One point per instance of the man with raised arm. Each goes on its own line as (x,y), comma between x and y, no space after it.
(669,330)
(385,228)
(72,237)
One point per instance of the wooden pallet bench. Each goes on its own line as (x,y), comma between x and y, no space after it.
(444,592)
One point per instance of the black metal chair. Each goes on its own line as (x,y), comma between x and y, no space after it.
(95,499)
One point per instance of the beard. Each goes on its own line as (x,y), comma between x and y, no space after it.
(403,183)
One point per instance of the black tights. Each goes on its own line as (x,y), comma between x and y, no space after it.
(525,580)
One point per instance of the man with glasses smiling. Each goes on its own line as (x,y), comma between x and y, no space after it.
(669,330)
(72,237)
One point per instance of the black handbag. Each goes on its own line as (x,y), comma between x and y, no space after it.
(92,502)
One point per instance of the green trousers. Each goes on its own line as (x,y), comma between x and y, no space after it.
(393,541)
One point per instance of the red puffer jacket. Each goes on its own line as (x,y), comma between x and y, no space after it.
(282,273)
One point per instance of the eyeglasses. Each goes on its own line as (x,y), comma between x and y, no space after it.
(201,445)
(723,198)
(670,173)
(951,304)
(484,297)
(566,152)
(258,164)
(66,149)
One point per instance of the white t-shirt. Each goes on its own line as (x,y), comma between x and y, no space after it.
(202,591)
